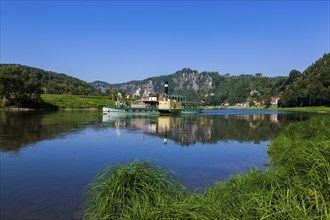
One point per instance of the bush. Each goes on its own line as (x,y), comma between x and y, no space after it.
(131,191)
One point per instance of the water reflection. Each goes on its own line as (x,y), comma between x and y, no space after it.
(57,154)
(19,129)
(191,129)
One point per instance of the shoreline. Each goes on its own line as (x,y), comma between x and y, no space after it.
(312,109)
(315,109)
(15,109)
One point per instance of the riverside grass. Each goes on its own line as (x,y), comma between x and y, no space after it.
(296,187)
(76,101)
(310,109)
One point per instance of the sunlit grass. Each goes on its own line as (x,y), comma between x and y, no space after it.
(135,190)
(77,101)
(316,109)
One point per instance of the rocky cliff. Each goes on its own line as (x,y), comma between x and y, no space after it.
(184,82)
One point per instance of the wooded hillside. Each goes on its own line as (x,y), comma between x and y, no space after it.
(56,83)
(311,88)
(211,86)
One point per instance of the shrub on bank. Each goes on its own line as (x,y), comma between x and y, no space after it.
(132,190)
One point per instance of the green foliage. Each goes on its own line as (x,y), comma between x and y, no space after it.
(131,191)
(230,89)
(264,195)
(316,109)
(56,83)
(212,86)
(309,143)
(18,87)
(298,187)
(113,93)
(312,88)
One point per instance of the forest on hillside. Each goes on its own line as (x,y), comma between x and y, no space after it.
(211,86)
(310,88)
(55,83)
(21,86)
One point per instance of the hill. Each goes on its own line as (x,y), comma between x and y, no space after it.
(56,83)
(212,86)
(311,88)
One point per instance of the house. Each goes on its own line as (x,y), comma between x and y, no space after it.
(274,101)
(243,104)
(259,103)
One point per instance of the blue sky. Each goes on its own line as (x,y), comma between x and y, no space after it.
(119,41)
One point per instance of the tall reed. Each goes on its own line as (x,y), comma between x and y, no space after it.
(131,191)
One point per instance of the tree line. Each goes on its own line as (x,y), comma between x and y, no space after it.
(18,87)
(21,86)
(310,88)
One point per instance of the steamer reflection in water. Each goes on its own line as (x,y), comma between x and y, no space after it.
(188,130)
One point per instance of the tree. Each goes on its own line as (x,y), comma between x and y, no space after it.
(293,75)
(113,93)
(18,87)
(311,88)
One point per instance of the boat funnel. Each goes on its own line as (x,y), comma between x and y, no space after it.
(166,88)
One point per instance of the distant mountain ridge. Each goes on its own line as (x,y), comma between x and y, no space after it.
(186,80)
(310,88)
(194,85)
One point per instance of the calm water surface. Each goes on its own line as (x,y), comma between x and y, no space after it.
(47,159)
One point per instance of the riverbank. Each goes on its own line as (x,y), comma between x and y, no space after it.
(296,187)
(314,109)
(71,102)
(68,103)
(94,103)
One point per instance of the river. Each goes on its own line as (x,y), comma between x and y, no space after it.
(47,159)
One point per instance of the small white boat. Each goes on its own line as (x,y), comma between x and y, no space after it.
(107,110)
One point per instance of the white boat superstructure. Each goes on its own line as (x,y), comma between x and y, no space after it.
(157,104)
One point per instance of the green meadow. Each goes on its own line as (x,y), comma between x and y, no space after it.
(296,186)
(76,101)
(317,109)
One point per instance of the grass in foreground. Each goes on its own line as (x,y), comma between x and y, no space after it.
(131,191)
(298,187)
